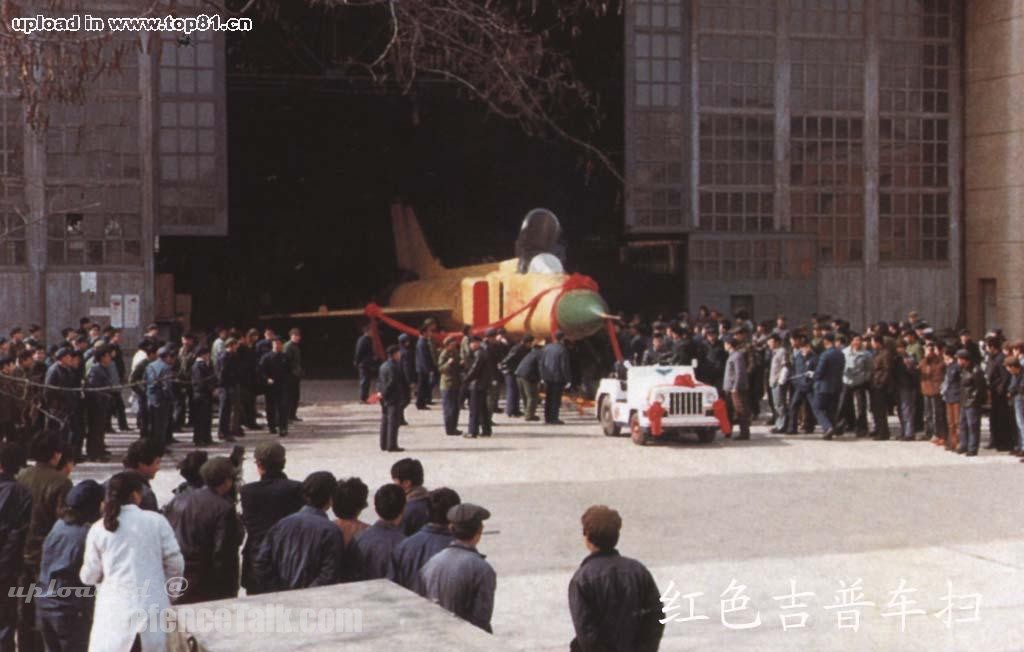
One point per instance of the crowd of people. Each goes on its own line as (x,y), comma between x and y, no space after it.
(77,387)
(273,534)
(827,375)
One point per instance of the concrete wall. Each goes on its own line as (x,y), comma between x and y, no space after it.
(994,160)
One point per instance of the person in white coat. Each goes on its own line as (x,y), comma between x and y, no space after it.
(130,555)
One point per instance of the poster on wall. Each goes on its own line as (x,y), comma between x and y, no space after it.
(131,311)
(89,282)
(117,311)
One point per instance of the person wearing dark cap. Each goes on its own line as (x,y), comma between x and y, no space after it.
(883,384)
(426,365)
(264,503)
(137,378)
(365,360)
(735,383)
(556,372)
(100,402)
(1001,427)
(508,366)
(59,400)
(392,389)
(804,362)
(204,382)
(528,376)
(160,395)
(614,601)
(413,553)
(407,365)
(274,367)
(496,344)
(16,506)
(482,373)
(294,353)
(828,383)
(375,545)
(459,578)
(951,398)
(973,394)
(229,378)
(303,550)
(64,617)
(209,534)
(183,388)
(449,367)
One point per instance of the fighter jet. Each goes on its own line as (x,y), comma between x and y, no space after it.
(531,293)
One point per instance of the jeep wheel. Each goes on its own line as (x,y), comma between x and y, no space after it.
(637,433)
(706,435)
(604,413)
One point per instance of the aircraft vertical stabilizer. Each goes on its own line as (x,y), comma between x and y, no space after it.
(411,248)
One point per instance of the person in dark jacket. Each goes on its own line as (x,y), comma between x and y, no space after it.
(144,457)
(1001,428)
(15,517)
(735,382)
(711,364)
(426,365)
(209,534)
(274,368)
(410,555)
(392,389)
(137,378)
(64,616)
(264,503)
(364,361)
(251,382)
(183,388)
(828,383)
(407,363)
(407,473)
(48,485)
(349,502)
(973,391)
(528,376)
(908,382)
(60,403)
(508,367)
(882,385)
(482,373)
(804,363)
(556,372)
(204,381)
(375,545)
(614,601)
(951,397)
(189,469)
(303,550)
(160,395)
(229,377)
(459,578)
(100,400)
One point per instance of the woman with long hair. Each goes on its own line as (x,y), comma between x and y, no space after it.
(131,554)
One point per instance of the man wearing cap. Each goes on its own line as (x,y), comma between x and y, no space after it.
(209,534)
(528,376)
(426,364)
(508,367)
(160,395)
(274,367)
(364,362)
(480,376)
(390,383)
(407,365)
(828,382)
(449,366)
(973,392)
(59,398)
(459,578)
(264,503)
(137,378)
(735,384)
(229,377)
(204,381)
(100,400)
(64,617)
(614,602)
(294,353)
(556,372)
(412,554)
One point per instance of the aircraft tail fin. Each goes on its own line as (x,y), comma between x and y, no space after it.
(411,246)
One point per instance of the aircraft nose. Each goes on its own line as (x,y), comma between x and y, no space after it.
(580,313)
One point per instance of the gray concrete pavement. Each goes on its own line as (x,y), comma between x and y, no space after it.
(764,512)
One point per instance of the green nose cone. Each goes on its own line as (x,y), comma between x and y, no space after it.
(580,313)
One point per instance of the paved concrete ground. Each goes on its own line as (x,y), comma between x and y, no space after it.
(764,512)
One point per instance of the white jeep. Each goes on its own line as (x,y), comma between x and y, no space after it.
(688,404)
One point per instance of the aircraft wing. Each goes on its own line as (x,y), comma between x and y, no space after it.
(360,312)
